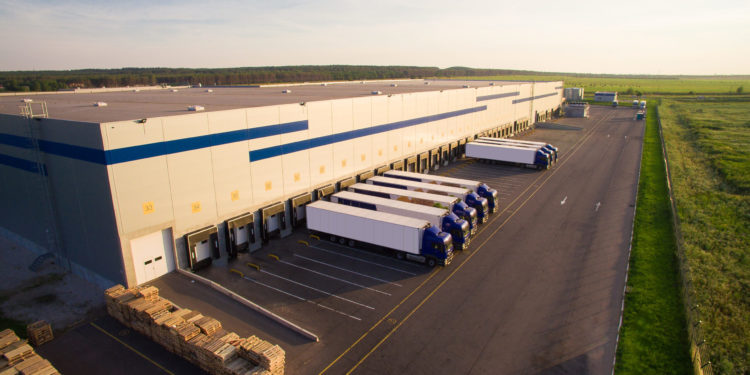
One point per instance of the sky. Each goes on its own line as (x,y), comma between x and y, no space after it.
(620,37)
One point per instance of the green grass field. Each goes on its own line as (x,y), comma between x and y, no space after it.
(682,85)
(653,337)
(707,142)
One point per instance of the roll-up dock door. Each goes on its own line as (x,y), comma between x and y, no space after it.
(273,220)
(343,184)
(364,176)
(240,234)
(324,192)
(397,165)
(382,170)
(445,153)
(202,247)
(453,151)
(424,162)
(411,164)
(462,147)
(298,204)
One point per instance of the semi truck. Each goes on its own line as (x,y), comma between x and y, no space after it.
(478,187)
(447,221)
(532,158)
(545,146)
(405,237)
(469,197)
(453,204)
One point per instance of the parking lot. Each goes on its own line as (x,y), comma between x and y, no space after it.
(539,289)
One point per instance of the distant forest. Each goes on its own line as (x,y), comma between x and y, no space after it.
(91,78)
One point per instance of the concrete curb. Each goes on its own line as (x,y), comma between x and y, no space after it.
(251,305)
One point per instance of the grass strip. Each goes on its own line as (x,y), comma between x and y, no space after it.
(653,337)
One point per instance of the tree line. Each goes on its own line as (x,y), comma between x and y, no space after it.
(92,78)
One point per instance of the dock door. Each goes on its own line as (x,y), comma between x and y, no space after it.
(202,247)
(273,221)
(324,192)
(424,162)
(397,165)
(298,204)
(411,164)
(435,158)
(240,234)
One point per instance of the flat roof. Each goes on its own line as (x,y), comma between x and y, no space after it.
(133,103)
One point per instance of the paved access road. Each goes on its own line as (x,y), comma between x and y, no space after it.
(538,291)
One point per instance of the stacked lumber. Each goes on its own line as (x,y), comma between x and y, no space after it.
(39,333)
(18,357)
(199,339)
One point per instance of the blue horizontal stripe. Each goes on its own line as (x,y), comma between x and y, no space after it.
(497,96)
(533,98)
(270,152)
(558,88)
(16,141)
(22,164)
(75,152)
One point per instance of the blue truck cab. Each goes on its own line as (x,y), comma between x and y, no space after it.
(437,247)
(486,192)
(542,159)
(467,213)
(480,204)
(459,229)
(552,150)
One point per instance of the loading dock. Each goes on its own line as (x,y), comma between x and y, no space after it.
(411,164)
(380,170)
(345,183)
(435,158)
(325,191)
(397,165)
(424,162)
(298,208)
(445,153)
(273,220)
(202,247)
(240,234)
(364,176)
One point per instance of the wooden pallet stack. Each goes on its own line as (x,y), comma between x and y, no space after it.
(18,357)
(39,333)
(199,339)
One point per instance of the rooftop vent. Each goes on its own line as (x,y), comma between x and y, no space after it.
(492,83)
(196,108)
(394,84)
(287,91)
(426,83)
(324,84)
(376,92)
(209,90)
(466,86)
(27,100)
(175,90)
(100,104)
(136,90)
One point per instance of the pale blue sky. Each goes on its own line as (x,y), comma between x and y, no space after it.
(650,37)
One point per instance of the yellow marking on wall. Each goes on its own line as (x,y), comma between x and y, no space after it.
(235,195)
(363,157)
(395,148)
(380,152)
(343,163)
(268,185)
(148,208)
(322,169)
(195,207)
(433,137)
(297,177)
(442,135)
(421,140)
(408,144)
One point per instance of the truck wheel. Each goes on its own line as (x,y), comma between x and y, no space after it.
(342,240)
(351,243)
(400,255)
(333,238)
(431,262)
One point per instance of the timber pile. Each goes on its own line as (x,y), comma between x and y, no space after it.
(199,339)
(39,333)
(18,357)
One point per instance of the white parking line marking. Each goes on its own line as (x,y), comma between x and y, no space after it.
(562,202)
(335,278)
(344,269)
(300,298)
(317,290)
(362,260)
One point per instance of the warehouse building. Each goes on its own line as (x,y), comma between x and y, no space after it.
(605,96)
(573,94)
(124,186)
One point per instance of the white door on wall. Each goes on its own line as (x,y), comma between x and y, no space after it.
(152,255)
